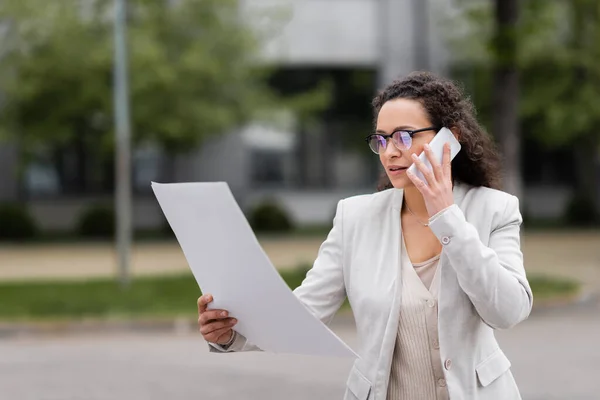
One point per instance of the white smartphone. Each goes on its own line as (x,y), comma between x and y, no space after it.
(443,136)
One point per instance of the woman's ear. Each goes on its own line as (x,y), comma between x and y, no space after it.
(456,131)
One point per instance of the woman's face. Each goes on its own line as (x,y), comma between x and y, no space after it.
(402,115)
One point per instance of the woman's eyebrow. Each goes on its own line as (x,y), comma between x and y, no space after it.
(399,128)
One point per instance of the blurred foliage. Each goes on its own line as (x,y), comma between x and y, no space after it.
(348,118)
(193,71)
(269,216)
(581,212)
(156,296)
(98,221)
(561,84)
(558,57)
(16,224)
(559,65)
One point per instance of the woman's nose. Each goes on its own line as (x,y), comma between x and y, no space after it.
(391,150)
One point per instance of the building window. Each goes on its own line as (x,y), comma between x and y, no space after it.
(78,171)
(41,179)
(268,168)
(146,163)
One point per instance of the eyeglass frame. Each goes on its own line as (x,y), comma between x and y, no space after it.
(411,133)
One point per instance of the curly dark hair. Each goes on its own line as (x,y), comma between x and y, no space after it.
(478,162)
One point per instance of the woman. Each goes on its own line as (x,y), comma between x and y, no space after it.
(431,269)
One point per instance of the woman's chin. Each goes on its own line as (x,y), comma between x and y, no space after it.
(400,182)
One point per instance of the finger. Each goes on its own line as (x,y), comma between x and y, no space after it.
(424,170)
(203,302)
(218,335)
(413,178)
(435,165)
(447,162)
(211,315)
(225,336)
(419,184)
(214,326)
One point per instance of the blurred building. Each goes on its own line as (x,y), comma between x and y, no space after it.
(360,44)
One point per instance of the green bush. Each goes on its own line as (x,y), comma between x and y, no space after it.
(270,217)
(581,211)
(16,223)
(97,221)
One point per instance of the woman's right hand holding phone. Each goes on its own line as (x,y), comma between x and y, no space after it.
(215,325)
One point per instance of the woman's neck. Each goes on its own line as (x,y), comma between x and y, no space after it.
(415,202)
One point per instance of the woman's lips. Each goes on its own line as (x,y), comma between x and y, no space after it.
(395,171)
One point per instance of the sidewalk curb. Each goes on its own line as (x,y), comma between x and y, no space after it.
(583,298)
(186,326)
(178,325)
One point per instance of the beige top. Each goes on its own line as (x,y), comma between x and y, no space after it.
(417,372)
(426,270)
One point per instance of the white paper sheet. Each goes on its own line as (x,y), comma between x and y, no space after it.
(228,262)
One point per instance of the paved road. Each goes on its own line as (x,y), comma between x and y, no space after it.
(555,357)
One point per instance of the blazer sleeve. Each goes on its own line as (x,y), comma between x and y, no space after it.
(323,290)
(240,343)
(492,276)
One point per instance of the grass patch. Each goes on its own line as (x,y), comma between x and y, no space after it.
(157,296)
(545,287)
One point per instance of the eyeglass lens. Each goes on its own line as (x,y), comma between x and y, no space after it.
(401,140)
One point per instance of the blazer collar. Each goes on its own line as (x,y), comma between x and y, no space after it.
(459,191)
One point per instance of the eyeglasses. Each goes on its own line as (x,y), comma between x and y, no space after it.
(402,139)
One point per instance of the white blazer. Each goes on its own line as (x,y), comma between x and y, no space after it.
(483,287)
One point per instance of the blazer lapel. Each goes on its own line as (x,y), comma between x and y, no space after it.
(459,191)
(391,248)
(396,237)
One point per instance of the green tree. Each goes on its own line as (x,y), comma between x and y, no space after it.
(505,92)
(194,72)
(558,60)
(485,37)
(562,104)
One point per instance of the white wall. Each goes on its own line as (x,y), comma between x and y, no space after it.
(321,32)
(63,214)
(306,207)
(224,158)
(350,32)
